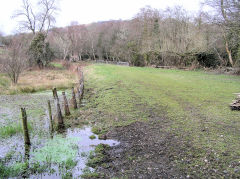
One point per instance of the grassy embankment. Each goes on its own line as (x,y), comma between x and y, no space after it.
(194,103)
(39,80)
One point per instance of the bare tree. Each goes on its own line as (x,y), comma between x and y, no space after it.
(14,59)
(227,17)
(92,40)
(60,42)
(37,20)
(73,33)
(172,37)
(82,41)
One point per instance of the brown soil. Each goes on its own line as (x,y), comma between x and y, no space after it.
(145,151)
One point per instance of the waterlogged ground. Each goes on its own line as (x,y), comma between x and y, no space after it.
(65,155)
(76,146)
(10,118)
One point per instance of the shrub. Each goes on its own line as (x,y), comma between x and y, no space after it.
(207,59)
(138,60)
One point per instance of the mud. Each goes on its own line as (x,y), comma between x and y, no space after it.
(144,152)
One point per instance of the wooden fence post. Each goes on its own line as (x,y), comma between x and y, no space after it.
(74,101)
(79,72)
(66,108)
(81,89)
(25,127)
(59,112)
(50,117)
(79,96)
(82,76)
(81,79)
(55,96)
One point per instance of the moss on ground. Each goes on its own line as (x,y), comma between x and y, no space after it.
(92,137)
(99,156)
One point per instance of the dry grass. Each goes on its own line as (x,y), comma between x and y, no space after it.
(59,74)
(38,80)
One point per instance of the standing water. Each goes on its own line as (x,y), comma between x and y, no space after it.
(85,145)
(65,154)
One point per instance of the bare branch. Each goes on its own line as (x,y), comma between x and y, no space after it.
(37,20)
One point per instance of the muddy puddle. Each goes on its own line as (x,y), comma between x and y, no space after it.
(53,155)
(84,145)
(63,155)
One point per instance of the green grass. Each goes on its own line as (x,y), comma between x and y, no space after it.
(16,170)
(57,65)
(59,150)
(196,104)
(12,129)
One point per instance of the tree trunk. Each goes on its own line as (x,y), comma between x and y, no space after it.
(229,53)
(224,35)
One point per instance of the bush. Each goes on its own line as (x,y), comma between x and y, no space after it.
(138,60)
(208,59)
(153,57)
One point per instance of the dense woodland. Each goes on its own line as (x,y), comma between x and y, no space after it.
(171,37)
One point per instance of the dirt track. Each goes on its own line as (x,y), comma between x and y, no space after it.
(144,152)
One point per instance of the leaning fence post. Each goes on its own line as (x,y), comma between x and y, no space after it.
(74,101)
(59,113)
(25,127)
(50,116)
(66,108)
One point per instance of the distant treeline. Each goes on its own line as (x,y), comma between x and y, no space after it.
(164,38)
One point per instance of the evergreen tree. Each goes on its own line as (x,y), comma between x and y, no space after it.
(40,52)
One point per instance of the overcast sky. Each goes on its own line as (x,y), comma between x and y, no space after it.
(87,11)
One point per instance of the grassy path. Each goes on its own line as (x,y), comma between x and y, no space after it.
(194,105)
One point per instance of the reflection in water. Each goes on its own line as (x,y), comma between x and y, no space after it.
(27,153)
(26,160)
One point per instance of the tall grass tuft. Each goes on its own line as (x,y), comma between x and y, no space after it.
(12,129)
